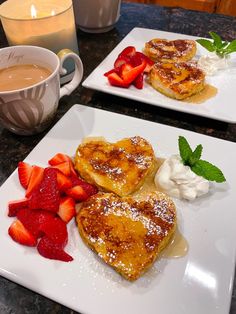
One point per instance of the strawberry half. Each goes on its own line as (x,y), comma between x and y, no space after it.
(35,179)
(63,182)
(78,193)
(115,80)
(15,206)
(20,234)
(66,209)
(120,61)
(47,248)
(136,59)
(128,51)
(46,195)
(138,82)
(89,188)
(24,173)
(34,219)
(58,158)
(64,167)
(56,230)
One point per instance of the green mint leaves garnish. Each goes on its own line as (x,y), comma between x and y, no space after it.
(200,167)
(217,45)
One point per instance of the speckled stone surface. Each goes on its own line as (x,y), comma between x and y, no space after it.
(93,49)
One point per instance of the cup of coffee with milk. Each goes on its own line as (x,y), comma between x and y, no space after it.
(30,86)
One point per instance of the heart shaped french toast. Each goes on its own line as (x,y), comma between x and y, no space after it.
(119,167)
(165,50)
(127,233)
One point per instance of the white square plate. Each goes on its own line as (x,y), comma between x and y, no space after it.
(200,282)
(220,107)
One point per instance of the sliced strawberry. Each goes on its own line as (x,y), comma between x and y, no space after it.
(89,188)
(64,167)
(72,169)
(67,209)
(24,173)
(35,179)
(78,193)
(63,182)
(46,195)
(47,248)
(129,76)
(15,206)
(115,70)
(55,229)
(115,80)
(120,61)
(128,51)
(20,234)
(137,59)
(58,158)
(138,82)
(125,68)
(34,219)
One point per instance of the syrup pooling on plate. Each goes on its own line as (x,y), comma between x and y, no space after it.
(178,247)
(208,92)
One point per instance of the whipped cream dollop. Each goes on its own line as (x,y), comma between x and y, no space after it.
(211,63)
(180,181)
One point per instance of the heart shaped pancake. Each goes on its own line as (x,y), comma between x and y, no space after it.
(127,233)
(119,167)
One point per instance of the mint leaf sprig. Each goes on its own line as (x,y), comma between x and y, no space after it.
(217,45)
(201,167)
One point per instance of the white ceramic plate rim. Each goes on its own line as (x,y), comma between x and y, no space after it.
(200,282)
(221,107)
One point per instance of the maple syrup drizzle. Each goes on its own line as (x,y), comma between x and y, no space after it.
(178,246)
(208,92)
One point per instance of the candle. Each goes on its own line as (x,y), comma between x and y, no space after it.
(45,23)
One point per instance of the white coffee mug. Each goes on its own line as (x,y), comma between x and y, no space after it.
(96,16)
(30,110)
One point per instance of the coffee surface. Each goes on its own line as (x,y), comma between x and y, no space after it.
(21,76)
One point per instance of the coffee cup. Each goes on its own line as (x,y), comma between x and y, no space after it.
(96,16)
(28,105)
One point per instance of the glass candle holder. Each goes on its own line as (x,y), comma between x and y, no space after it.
(45,23)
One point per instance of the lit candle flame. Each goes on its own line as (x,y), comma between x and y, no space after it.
(35,14)
(33,11)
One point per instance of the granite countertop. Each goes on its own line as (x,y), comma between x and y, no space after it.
(93,49)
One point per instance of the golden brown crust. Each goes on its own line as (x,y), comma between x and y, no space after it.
(127,233)
(170,50)
(177,80)
(119,167)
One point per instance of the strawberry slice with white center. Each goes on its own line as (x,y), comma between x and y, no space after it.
(35,179)
(63,182)
(64,167)
(58,158)
(66,209)
(78,193)
(24,173)
(20,234)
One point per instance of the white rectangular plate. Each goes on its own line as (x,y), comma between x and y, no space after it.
(200,282)
(220,107)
